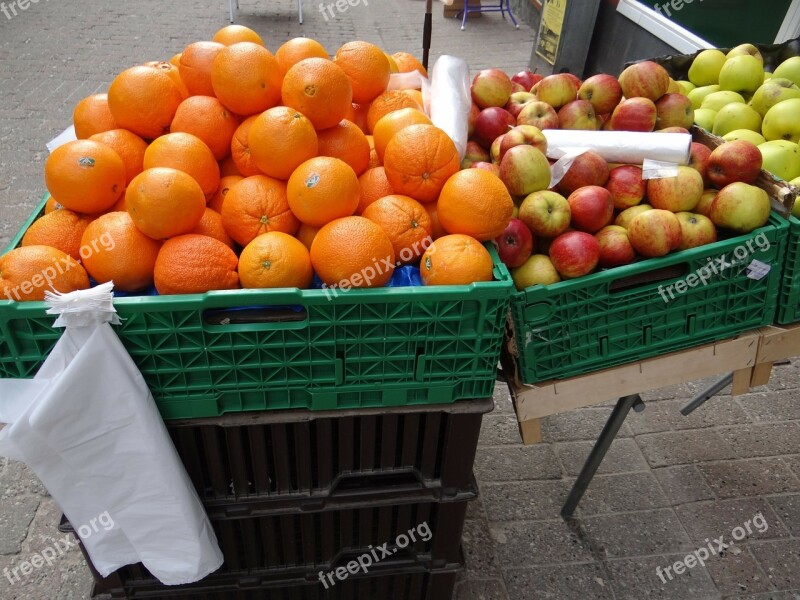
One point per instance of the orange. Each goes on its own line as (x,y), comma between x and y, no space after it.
(367,67)
(119,205)
(306,234)
(390,124)
(228,167)
(165,202)
(386,103)
(195,67)
(297,49)
(51,205)
(358,115)
(187,153)
(61,229)
(174,73)
(211,225)
(456,260)
(92,115)
(347,142)
(281,139)
(407,62)
(115,250)
(144,100)
(374,159)
(26,272)
(129,146)
(225,185)
(323,189)
(195,264)
(319,89)
(353,252)
(437,230)
(240,148)
(393,68)
(416,96)
(275,260)
(175,61)
(373,185)
(406,223)
(418,160)
(233,34)
(246,78)
(86,176)
(257,205)
(206,118)
(475,202)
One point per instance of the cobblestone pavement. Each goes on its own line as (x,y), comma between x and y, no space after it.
(668,483)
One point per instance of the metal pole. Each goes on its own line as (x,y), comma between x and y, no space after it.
(706,395)
(427,32)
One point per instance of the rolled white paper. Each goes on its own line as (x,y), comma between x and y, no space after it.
(629,147)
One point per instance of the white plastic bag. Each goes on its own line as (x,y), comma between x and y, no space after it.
(451,100)
(88,426)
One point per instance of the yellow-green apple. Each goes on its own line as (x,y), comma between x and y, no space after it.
(517,101)
(524,170)
(673,87)
(696,230)
(789,69)
(645,79)
(515,244)
(523,135)
(704,117)
(574,254)
(474,153)
(615,247)
(538,114)
(494,150)
(781,158)
(744,134)
(734,161)
(487,166)
(796,207)
(674,110)
(547,214)
(626,216)
(574,78)
(537,270)
(556,90)
(772,92)
(717,100)
(655,233)
(578,114)
(591,208)
(587,169)
(686,86)
(603,91)
(746,49)
(634,114)
(474,111)
(704,206)
(736,116)
(676,194)
(740,207)
(743,74)
(526,78)
(782,121)
(698,159)
(626,186)
(491,123)
(699,94)
(491,87)
(705,67)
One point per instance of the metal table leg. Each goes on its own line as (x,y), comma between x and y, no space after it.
(706,395)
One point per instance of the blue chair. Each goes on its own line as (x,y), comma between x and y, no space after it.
(299,9)
(503,8)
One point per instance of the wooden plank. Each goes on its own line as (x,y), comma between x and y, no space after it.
(778,343)
(531,431)
(741,381)
(761,374)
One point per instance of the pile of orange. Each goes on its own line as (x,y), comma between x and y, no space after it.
(229,166)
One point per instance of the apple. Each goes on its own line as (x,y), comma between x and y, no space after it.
(744,134)
(796,208)
(704,117)
(705,67)
(537,270)
(704,206)
(746,49)
(603,91)
(781,121)
(736,116)
(574,254)
(491,87)
(515,244)
(696,230)
(740,207)
(673,130)
(578,114)
(772,92)
(557,90)
(588,168)
(592,208)
(676,194)
(547,214)
(491,123)
(673,87)
(743,74)
(573,77)
(615,247)
(674,110)
(655,233)
(626,216)
(734,161)
(789,69)
(524,170)
(645,79)
(634,114)
(698,159)
(538,114)
(474,111)
(516,87)
(523,135)
(494,151)
(685,86)
(517,101)
(487,166)
(626,186)
(526,79)
(699,94)
(781,158)
(716,100)
(474,153)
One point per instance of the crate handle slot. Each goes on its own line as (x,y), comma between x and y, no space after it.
(633,282)
(406,479)
(256,317)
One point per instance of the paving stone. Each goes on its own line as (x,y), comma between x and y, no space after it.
(583,424)
(683,484)
(17,479)
(500,430)
(502,400)
(623,456)
(709,520)
(556,582)
(737,572)
(780,560)
(755,477)
(794,463)
(517,463)
(481,558)
(491,589)
(768,596)
(785,377)
(622,493)
(680,390)
(637,534)
(526,543)
(788,510)
(475,509)
(772,406)
(637,578)
(518,501)
(16,514)
(768,439)
(684,447)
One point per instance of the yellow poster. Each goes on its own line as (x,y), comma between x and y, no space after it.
(550,29)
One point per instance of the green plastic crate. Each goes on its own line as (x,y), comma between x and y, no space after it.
(362,348)
(619,315)
(789,301)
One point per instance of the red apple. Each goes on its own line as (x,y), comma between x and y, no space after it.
(633,114)
(523,135)
(674,110)
(655,233)
(673,129)
(475,153)
(547,214)
(645,79)
(591,208)
(574,78)
(474,111)
(557,90)
(538,114)
(487,166)
(574,254)
(676,194)
(696,230)
(515,244)
(704,206)
(524,170)
(615,247)
(698,160)
(491,123)
(626,216)
(603,91)
(517,102)
(526,79)
(578,114)
(516,87)
(626,186)
(494,151)
(491,87)
(734,161)
(587,169)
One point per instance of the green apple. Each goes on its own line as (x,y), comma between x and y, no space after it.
(716,100)
(781,158)
(686,86)
(740,207)
(746,49)
(706,67)
(704,117)
(796,207)
(773,91)
(736,116)
(789,69)
(697,95)
(741,74)
(782,121)
(768,76)
(744,134)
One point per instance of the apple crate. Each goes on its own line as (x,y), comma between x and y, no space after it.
(648,308)
(789,302)
(209,354)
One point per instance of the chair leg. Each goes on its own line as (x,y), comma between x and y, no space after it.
(466,14)
(230,6)
(511,14)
